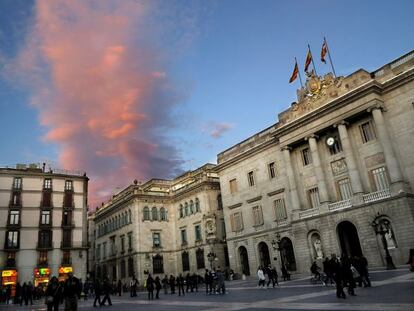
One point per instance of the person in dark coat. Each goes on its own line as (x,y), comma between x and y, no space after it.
(338,276)
(53,290)
(18,294)
(158,287)
(119,288)
(285,273)
(348,276)
(194,282)
(180,283)
(187,282)
(71,292)
(106,291)
(364,275)
(98,291)
(25,294)
(208,280)
(172,284)
(8,294)
(150,287)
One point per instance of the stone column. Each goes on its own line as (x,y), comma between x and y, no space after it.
(385,140)
(294,198)
(353,171)
(320,177)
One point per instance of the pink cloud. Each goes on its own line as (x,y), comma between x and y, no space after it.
(216,130)
(100,92)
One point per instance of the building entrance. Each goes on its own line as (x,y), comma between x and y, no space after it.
(287,254)
(244,260)
(348,239)
(264,257)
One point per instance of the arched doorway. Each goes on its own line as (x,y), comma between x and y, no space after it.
(287,254)
(348,239)
(264,257)
(244,260)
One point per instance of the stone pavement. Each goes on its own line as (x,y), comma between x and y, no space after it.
(391,291)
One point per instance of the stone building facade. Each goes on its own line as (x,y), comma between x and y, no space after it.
(43,229)
(334,175)
(161,227)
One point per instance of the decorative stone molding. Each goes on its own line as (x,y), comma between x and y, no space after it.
(234,205)
(272,193)
(254,199)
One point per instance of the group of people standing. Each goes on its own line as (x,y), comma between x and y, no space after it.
(268,273)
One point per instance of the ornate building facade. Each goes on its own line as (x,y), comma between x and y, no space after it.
(43,229)
(335,174)
(161,227)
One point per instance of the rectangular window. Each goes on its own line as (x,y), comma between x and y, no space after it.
(129,241)
(280,209)
(16,199)
(197,231)
(68,199)
(67,218)
(12,239)
(112,245)
(345,190)
(42,258)
(98,252)
(47,199)
(236,220)
(380,178)
(313,195)
(68,185)
(17,183)
(66,258)
(104,250)
(306,157)
(14,217)
(183,236)
(45,217)
(257,215)
(367,131)
(272,171)
(45,238)
(156,239)
(233,186)
(67,238)
(123,269)
(250,178)
(47,183)
(122,243)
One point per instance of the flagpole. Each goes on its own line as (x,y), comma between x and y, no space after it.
(329,55)
(300,77)
(314,68)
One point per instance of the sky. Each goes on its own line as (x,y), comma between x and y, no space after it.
(129,89)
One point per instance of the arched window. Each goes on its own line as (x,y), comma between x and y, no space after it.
(197,205)
(154,213)
(163,215)
(146,213)
(129,217)
(186,209)
(191,207)
(181,211)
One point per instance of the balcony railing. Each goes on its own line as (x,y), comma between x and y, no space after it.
(282,222)
(340,205)
(375,196)
(309,213)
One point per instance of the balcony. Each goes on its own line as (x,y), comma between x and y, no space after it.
(44,246)
(309,213)
(340,205)
(376,196)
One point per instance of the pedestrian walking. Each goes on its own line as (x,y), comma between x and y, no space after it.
(98,292)
(338,276)
(180,284)
(150,287)
(208,280)
(71,293)
(8,294)
(119,288)
(53,294)
(106,288)
(18,294)
(285,273)
(261,277)
(158,286)
(133,284)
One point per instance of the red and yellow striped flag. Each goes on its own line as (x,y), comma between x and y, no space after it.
(324,50)
(308,60)
(294,73)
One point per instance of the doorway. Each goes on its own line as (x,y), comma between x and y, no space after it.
(264,257)
(244,260)
(287,254)
(348,239)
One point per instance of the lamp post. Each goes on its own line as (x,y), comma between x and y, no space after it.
(382,227)
(276,244)
(211,257)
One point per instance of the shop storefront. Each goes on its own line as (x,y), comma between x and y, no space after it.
(41,276)
(64,273)
(9,277)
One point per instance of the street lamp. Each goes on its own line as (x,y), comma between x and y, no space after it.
(382,227)
(211,257)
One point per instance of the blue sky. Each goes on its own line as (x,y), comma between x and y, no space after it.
(230,69)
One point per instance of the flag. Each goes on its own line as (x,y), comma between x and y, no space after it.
(294,73)
(308,60)
(324,50)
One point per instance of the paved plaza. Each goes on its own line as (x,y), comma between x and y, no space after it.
(392,290)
